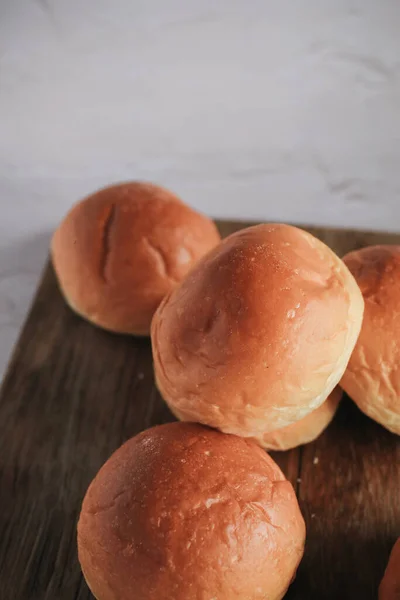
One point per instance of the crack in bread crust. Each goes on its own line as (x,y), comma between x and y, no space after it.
(106,242)
(159,258)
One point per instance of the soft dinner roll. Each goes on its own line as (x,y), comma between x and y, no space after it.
(183,512)
(307,429)
(372,378)
(259,333)
(390,584)
(119,251)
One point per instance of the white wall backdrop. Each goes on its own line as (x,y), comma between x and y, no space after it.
(259,109)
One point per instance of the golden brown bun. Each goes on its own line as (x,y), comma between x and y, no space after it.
(259,333)
(182,512)
(390,584)
(372,378)
(119,251)
(307,429)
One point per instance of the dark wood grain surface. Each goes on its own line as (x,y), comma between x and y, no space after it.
(73,394)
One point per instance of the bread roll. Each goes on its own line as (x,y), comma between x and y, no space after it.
(119,251)
(259,333)
(390,584)
(307,429)
(372,378)
(182,512)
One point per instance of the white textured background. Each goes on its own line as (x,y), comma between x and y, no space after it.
(260,109)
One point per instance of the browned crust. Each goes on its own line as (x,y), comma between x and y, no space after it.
(306,430)
(372,378)
(182,511)
(259,334)
(390,584)
(119,251)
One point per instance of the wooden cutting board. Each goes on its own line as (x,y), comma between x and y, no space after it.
(74,393)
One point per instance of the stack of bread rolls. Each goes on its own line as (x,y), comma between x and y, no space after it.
(251,337)
(258,334)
